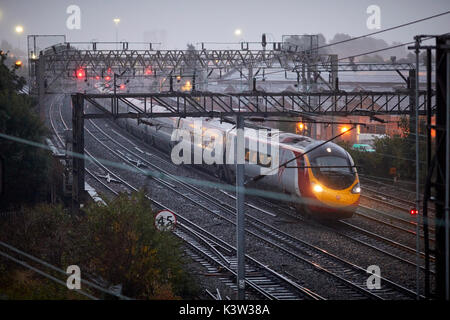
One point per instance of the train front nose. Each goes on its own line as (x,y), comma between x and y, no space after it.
(333,198)
(334,184)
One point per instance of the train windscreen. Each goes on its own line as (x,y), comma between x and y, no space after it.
(333,171)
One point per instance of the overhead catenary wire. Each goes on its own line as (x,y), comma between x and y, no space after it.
(378,32)
(351,39)
(384,30)
(349,57)
(370,34)
(207,81)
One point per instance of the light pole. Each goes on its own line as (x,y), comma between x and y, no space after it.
(240,199)
(19,31)
(116,22)
(238,34)
(240,207)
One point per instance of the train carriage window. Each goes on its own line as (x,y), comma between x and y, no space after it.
(264,160)
(251,156)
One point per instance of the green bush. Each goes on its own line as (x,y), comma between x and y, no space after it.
(121,244)
(117,242)
(390,152)
(26,167)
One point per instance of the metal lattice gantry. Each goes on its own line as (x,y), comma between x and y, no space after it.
(252,103)
(60,62)
(66,58)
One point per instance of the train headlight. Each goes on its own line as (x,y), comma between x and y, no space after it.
(317,188)
(356,188)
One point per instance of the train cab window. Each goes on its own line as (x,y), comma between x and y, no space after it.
(331,163)
(332,171)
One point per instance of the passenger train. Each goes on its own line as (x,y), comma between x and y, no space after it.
(323,179)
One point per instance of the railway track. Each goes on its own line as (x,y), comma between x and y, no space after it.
(396,202)
(60,141)
(331,265)
(395,222)
(380,243)
(397,206)
(386,246)
(219,256)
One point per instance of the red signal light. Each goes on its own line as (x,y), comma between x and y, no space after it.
(80,73)
(107,78)
(414,211)
(97,77)
(148,71)
(122,87)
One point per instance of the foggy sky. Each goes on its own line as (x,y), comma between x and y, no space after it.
(178,22)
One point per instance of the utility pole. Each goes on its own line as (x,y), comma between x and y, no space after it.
(442,180)
(240,214)
(78,151)
(115,104)
(412,100)
(41,86)
(438,178)
(427,191)
(116,22)
(250,77)
(447,177)
(334,84)
(416,116)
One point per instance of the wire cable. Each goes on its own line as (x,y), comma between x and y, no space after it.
(385,30)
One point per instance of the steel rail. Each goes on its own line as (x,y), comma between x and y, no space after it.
(215,201)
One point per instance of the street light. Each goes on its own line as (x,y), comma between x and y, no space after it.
(344,129)
(117,21)
(19,29)
(238,34)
